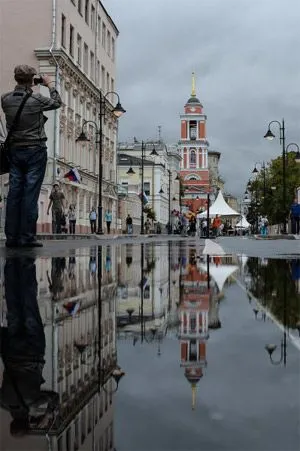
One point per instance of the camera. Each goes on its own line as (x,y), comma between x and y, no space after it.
(38,80)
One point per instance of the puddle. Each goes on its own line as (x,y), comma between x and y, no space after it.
(195,350)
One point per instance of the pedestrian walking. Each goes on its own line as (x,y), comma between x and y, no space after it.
(216,225)
(27,152)
(93,219)
(57,203)
(72,219)
(204,228)
(108,220)
(147,226)
(129,225)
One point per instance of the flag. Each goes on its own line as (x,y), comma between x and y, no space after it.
(72,307)
(143,282)
(73,175)
(145,198)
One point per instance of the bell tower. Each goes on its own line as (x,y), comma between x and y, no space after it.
(193,146)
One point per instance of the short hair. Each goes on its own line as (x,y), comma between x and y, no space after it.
(24,74)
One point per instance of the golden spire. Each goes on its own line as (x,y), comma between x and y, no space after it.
(193,85)
(194,390)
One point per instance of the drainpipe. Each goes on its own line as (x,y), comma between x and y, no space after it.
(57,82)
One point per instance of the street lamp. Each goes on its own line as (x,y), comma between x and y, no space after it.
(117,373)
(117,111)
(270,136)
(270,348)
(297,156)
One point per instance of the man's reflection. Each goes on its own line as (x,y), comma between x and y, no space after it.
(23,350)
(56,281)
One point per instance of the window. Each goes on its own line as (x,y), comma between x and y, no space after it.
(85,58)
(113,49)
(79,49)
(193,160)
(86,11)
(99,28)
(71,46)
(92,65)
(147,292)
(108,43)
(63,31)
(107,82)
(93,18)
(98,73)
(79,6)
(104,35)
(102,78)
(193,130)
(147,188)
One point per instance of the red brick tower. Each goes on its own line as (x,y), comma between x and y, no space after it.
(194,152)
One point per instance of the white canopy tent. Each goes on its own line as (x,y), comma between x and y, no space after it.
(220,208)
(243,224)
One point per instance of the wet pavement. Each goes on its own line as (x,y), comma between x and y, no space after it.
(197,348)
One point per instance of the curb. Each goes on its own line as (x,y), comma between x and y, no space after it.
(79,237)
(276,237)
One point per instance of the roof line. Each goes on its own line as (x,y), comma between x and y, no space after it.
(109,18)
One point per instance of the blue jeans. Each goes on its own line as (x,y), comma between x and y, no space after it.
(27,170)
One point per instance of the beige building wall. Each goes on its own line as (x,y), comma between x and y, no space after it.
(77,46)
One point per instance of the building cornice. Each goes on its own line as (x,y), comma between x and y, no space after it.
(193,116)
(193,143)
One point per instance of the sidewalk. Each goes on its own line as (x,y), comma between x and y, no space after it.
(277,237)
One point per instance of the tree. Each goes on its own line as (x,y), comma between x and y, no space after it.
(150,213)
(272,204)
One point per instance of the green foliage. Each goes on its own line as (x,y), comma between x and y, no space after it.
(272,205)
(150,213)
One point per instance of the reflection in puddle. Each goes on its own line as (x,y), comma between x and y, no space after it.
(170,316)
(60,369)
(276,284)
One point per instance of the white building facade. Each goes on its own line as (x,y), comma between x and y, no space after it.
(74,41)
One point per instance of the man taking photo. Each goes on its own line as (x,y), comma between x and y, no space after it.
(27,154)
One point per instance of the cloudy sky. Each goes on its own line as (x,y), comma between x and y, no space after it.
(246,57)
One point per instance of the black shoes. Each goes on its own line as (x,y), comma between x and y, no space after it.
(32,244)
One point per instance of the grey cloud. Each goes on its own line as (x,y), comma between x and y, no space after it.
(245,55)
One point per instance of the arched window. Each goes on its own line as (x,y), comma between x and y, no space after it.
(192,177)
(193,158)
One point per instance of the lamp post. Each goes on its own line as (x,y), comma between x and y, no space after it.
(207,211)
(130,171)
(270,136)
(118,110)
(270,348)
(161,191)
